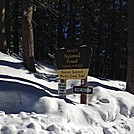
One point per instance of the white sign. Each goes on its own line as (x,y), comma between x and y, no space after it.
(83,90)
(62,89)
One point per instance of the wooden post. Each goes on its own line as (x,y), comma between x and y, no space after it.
(83,99)
(62,81)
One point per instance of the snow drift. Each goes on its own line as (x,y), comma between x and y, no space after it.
(29,103)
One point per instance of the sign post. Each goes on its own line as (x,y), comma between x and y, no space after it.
(73,63)
(83,98)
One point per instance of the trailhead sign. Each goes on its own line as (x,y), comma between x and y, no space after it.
(73,63)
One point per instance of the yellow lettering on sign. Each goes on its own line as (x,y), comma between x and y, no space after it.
(73,73)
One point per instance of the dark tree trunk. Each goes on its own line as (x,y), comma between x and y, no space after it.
(16,27)
(3,44)
(99,44)
(112,43)
(71,33)
(7,22)
(27,35)
(60,26)
(130,60)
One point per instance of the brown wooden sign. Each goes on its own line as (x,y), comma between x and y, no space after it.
(73,63)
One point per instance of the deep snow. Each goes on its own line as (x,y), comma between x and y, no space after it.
(29,103)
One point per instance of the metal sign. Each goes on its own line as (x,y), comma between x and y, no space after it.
(82,90)
(73,63)
(62,89)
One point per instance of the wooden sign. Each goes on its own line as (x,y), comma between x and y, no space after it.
(73,63)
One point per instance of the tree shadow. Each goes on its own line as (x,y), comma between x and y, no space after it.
(52,91)
(17,65)
(96,84)
(16,96)
(47,77)
(42,66)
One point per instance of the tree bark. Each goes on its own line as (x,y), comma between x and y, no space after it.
(7,23)
(71,33)
(16,27)
(3,44)
(130,60)
(27,35)
(60,26)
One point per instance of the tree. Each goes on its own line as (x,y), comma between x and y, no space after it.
(27,35)
(71,29)
(15,25)
(3,44)
(45,18)
(60,26)
(130,60)
(7,22)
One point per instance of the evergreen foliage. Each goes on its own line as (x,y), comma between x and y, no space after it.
(101,24)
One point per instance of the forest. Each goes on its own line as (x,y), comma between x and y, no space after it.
(36,29)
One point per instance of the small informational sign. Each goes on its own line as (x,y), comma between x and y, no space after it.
(62,89)
(82,90)
(73,63)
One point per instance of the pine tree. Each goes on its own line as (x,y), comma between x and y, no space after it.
(3,43)
(130,60)
(27,35)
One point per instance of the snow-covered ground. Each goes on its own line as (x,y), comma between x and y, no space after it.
(29,103)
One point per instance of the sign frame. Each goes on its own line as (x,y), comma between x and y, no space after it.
(73,63)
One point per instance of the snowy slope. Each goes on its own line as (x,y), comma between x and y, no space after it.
(29,103)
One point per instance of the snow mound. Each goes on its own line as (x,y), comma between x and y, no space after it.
(30,103)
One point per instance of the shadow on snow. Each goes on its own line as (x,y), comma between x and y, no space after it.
(16,65)
(16,96)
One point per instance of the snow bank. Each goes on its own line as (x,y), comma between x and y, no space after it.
(30,104)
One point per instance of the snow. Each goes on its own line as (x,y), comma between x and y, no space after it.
(29,103)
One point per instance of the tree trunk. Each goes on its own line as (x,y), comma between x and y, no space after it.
(7,23)
(60,26)
(130,60)
(71,33)
(16,27)
(3,45)
(27,35)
